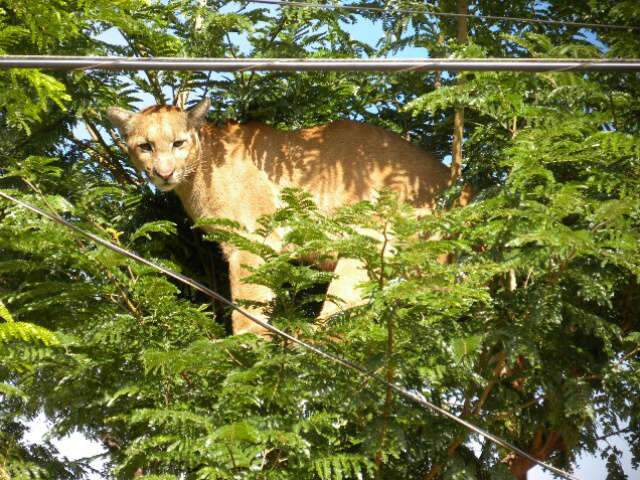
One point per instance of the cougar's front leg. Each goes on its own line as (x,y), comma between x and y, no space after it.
(239,269)
(349,274)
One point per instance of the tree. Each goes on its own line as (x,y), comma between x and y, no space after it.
(532,332)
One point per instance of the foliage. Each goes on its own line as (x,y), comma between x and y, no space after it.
(531,332)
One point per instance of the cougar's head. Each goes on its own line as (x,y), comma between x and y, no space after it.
(162,140)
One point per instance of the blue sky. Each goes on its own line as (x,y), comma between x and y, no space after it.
(76,446)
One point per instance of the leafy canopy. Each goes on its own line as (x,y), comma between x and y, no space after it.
(531,332)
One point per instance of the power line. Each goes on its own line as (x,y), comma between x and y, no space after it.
(388,65)
(424,11)
(420,400)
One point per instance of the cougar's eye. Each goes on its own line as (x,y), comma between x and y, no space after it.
(178,143)
(145,147)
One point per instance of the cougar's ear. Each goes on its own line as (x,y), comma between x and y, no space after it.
(120,118)
(197,115)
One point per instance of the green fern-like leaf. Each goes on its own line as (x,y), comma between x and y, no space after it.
(27,332)
(343,467)
(4,313)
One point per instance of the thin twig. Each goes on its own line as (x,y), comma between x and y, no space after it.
(114,166)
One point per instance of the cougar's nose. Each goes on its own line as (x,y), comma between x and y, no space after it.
(164,172)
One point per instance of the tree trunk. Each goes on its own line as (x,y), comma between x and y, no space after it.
(458,119)
(545,442)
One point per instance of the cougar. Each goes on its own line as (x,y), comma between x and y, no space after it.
(237,171)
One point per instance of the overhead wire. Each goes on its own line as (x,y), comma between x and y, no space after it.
(397,65)
(425,11)
(414,397)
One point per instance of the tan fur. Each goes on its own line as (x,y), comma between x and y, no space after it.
(238,172)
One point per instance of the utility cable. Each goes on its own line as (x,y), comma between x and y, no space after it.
(387,65)
(424,11)
(419,399)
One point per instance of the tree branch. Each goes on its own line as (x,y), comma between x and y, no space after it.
(388,401)
(458,118)
(107,158)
